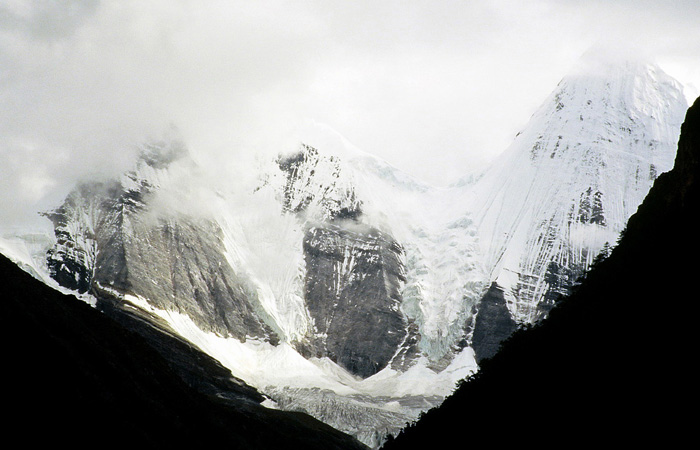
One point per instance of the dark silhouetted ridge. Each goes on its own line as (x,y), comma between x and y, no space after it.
(74,376)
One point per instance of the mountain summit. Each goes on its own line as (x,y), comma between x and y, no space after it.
(563,191)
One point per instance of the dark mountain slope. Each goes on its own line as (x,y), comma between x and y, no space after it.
(74,376)
(611,366)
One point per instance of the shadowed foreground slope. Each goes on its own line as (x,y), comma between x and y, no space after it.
(611,364)
(74,376)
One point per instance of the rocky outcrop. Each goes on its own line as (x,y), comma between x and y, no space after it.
(493,324)
(353,291)
(353,272)
(109,239)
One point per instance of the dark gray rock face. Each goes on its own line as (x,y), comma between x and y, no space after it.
(108,240)
(71,261)
(183,266)
(354,272)
(493,324)
(352,290)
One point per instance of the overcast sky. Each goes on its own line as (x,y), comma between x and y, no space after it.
(436,88)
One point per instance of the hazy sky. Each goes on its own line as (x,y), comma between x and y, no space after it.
(436,88)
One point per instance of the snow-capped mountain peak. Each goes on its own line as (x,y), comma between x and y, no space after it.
(573,176)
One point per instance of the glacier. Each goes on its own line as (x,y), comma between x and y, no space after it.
(338,285)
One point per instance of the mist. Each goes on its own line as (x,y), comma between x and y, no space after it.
(438,90)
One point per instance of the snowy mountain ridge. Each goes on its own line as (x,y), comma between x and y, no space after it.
(339,285)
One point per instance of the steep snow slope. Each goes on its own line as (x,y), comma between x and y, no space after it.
(572,178)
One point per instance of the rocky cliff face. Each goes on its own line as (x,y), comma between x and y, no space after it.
(110,238)
(353,272)
(353,292)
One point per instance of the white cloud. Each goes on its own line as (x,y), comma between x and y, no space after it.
(436,88)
